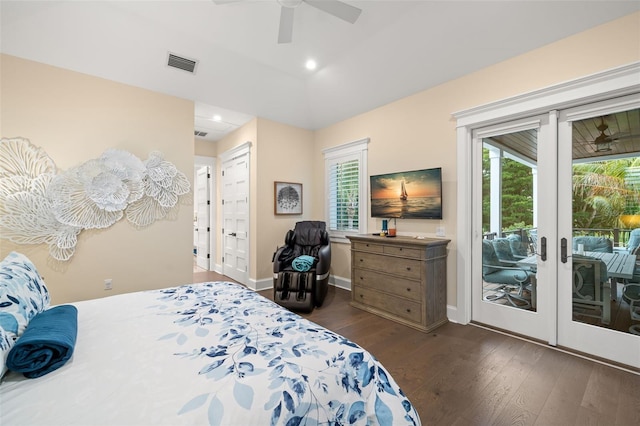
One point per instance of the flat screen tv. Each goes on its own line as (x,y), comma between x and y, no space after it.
(416,194)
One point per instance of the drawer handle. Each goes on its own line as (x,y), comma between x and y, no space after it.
(408,288)
(362,296)
(408,310)
(408,268)
(361,260)
(361,278)
(400,248)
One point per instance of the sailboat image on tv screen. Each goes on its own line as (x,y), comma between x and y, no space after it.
(403,191)
(390,194)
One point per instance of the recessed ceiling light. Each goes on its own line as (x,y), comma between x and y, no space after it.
(216,118)
(311,64)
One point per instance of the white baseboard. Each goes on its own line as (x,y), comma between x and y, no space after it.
(262,284)
(452,313)
(343,283)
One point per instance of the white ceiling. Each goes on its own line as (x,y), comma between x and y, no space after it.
(396,48)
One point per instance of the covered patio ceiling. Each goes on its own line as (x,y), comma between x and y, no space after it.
(622,129)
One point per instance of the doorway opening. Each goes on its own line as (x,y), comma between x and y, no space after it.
(204,218)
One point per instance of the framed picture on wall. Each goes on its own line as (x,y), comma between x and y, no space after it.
(287,198)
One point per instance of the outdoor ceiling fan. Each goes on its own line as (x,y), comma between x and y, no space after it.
(335,8)
(603,142)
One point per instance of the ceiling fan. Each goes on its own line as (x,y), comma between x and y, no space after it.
(603,142)
(336,8)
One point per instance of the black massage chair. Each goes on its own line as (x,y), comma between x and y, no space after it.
(302,290)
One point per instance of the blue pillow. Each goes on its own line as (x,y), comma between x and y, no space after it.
(23,294)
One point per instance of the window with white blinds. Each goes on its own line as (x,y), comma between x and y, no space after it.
(347,199)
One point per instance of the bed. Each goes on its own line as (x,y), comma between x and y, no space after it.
(212,353)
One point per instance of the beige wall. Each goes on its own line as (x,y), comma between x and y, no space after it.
(74,118)
(205,148)
(419,131)
(285,154)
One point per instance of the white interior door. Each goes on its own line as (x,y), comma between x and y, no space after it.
(526,147)
(203,229)
(579,328)
(235,213)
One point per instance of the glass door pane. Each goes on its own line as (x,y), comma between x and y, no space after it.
(508,221)
(599,212)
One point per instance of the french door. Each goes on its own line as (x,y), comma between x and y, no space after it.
(526,190)
(514,180)
(616,159)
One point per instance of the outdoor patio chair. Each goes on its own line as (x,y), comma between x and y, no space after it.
(634,241)
(533,240)
(631,295)
(512,281)
(591,288)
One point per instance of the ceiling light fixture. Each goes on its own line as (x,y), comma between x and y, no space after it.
(603,142)
(311,64)
(216,118)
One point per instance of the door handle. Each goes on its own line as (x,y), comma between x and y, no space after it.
(563,250)
(233,234)
(543,248)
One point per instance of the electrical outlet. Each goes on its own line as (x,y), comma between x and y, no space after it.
(440,231)
(107,284)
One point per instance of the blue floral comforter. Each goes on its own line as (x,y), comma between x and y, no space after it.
(212,353)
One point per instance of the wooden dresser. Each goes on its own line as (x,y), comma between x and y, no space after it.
(402,278)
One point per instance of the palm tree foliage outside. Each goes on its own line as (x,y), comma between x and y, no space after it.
(602,192)
(605,190)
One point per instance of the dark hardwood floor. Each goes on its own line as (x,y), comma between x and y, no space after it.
(468,375)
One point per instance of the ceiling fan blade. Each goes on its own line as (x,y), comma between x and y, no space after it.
(285,31)
(337,8)
(620,136)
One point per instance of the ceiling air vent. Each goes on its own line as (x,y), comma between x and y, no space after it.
(181,63)
(200,133)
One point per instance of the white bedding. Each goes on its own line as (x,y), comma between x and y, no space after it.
(213,353)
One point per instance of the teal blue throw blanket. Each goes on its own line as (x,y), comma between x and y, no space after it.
(303,263)
(47,343)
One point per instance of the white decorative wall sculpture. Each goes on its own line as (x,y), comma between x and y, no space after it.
(40,206)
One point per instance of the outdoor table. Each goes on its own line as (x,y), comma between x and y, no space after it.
(619,266)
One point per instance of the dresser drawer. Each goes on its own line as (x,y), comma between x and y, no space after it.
(375,248)
(397,286)
(413,253)
(402,308)
(406,268)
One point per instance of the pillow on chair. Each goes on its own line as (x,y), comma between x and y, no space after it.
(502,246)
(518,248)
(597,244)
